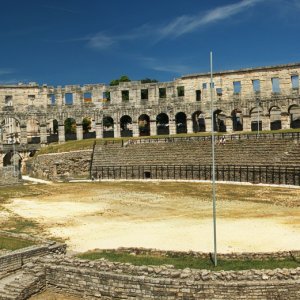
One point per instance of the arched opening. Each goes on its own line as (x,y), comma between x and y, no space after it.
(275,118)
(295,116)
(219,121)
(180,121)
(162,124)
(10,131)
(126,126)
(52,131)
(88,128)
(108,127)
(237,120)
(13,158)
(198,121)
(144,125)
(33,131)
(70,129)
(256,119)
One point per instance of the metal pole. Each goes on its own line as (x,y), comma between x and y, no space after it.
(14,156)
(213,163)
(258,117)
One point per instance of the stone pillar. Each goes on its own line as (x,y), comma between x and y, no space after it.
(23,134)
(117,130)
(79,132)
(208,124)
(246,123)
(99,131)
(285,121)
(61,133)
(135,129)
(172,127)
(228,123)
(153,130)
(189,125)
(43,133)
(265,123)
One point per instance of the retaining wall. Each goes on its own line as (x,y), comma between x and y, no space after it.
(14,260)
(59,165)
(106,280)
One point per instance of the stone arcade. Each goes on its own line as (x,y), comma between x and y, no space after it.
(246,99)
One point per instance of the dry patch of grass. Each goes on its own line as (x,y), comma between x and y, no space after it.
(186,261)
(12,243)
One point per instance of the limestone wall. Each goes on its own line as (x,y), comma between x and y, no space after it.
(16,259)
(107,280)
(184,105)
(60,165)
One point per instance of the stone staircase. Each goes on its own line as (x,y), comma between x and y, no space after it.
(20,285)
(235,152)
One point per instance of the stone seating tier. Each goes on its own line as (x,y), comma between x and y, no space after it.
(235,152)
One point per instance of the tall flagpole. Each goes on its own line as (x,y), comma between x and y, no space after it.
(213,161)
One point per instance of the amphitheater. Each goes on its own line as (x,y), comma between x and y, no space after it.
(156,134)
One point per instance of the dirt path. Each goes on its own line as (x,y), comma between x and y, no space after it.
(166,216)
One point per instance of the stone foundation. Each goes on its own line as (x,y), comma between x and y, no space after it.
(60,165)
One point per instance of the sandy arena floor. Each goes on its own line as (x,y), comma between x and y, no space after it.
(174,216)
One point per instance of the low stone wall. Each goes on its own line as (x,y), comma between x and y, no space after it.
(106,280)
(60,165)
(9,176)
(14,260)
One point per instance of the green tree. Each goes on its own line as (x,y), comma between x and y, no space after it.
(86,125)
(70,126)
(123,78)
(148,80)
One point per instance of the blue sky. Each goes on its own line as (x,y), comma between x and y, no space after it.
(61,42)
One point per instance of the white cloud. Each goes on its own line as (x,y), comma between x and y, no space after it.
(154,64)
(100,41)
(179,26)
(185,24)
(5,71)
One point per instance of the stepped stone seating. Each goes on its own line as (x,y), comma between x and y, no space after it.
(235,152)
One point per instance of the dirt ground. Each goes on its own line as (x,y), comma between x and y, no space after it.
(163,215)
(50,295)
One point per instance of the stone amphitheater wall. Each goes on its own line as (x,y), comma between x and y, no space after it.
(60,165)
(27,111)
(107,280)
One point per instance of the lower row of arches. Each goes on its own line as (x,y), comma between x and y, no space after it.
(145,126)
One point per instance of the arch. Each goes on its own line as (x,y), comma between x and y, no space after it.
(180,121)
(294,111)
(219,121)
(162,124)
(12,158)
(88,128)
(70,129)
(52,131)
(256,118)
(108,127)
(198,119)
(144,125)
(126,126)
(275,118)
(10,131)
(33,131)
(237,120)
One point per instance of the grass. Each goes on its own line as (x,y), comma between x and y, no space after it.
(87,144)
(20,225)
(12,243)
(182,262)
